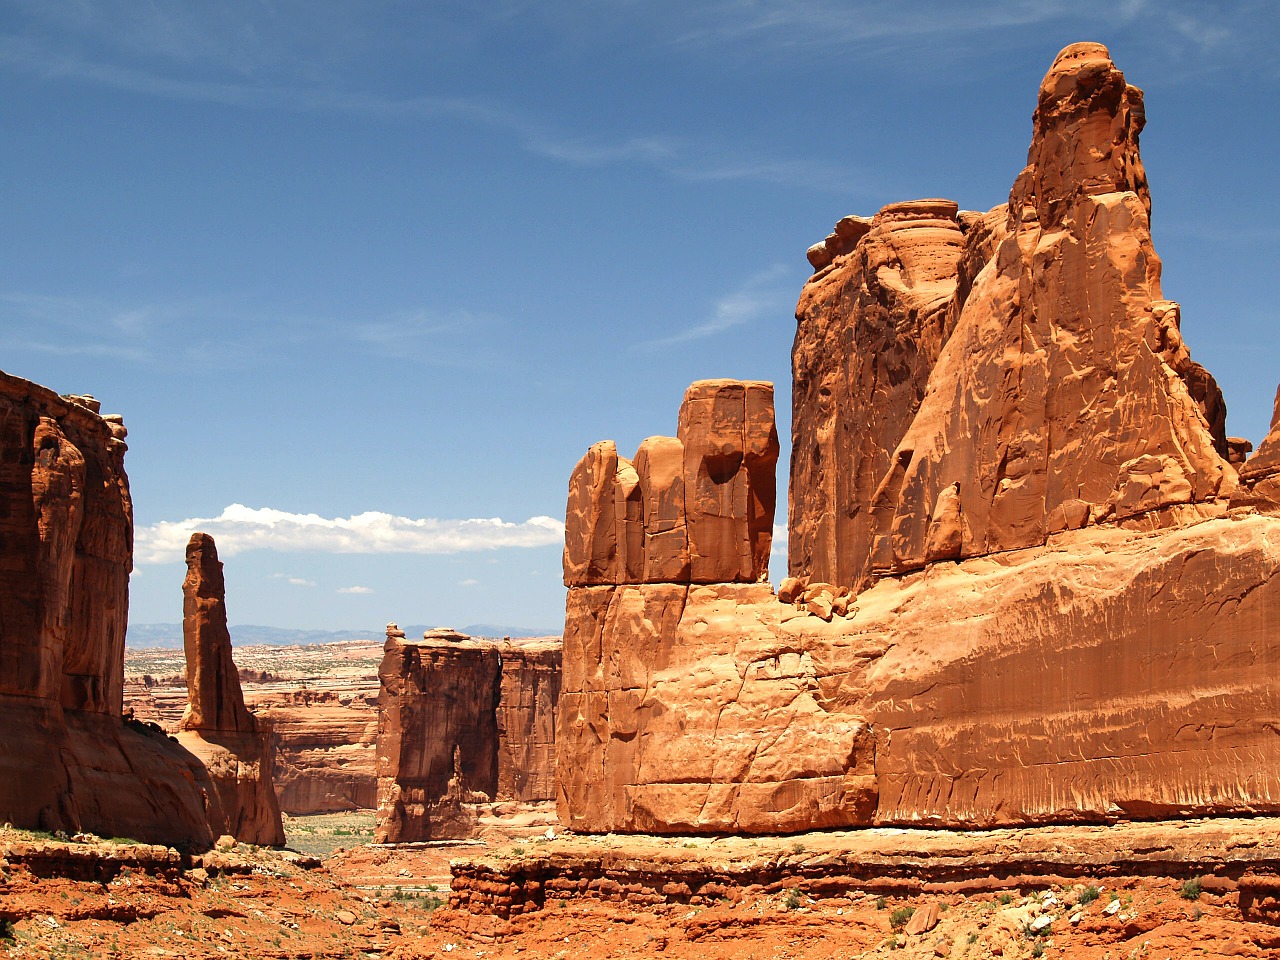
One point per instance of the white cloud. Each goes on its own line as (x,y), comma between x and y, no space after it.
(239,528)
(469,582)
(300,582)
(355,590)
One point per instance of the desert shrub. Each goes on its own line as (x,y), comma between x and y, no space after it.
(792,901)
(1089,894)
(898,919)
(1191,889)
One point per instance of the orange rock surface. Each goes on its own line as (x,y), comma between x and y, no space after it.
(696,508)
(1027,583)
(237,748)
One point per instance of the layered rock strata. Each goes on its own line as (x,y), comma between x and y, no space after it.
(237,748)
(1224,856)
(68,760)
(462,722)
(326,748)
(1027,585)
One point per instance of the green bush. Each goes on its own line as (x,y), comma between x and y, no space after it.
(1191,889)
(1089,894)
(792,901)
(898,919)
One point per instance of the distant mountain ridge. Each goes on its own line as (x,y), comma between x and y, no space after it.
(169,635)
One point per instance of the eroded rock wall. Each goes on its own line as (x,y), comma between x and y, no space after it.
(462,722)
(68,760)
(527,699)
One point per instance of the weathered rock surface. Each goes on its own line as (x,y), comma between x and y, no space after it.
(696,508)
(67,758)
(527,699)
(462,722)
(1026,585)
(237,748)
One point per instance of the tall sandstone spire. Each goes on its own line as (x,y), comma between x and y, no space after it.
(237,748)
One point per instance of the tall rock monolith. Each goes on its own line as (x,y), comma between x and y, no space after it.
(237,748)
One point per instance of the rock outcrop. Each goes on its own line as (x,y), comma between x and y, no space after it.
(237,748)
(694,508)
(68,760)
(462,722)
(1027,584)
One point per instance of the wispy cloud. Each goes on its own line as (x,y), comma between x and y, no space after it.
(761,295)
(157,332)
(239,528)
(469,582)
(678,157)
(293,581)
(355,590)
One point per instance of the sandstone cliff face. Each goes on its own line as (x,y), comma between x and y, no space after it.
(527,699)
(1026,379)
(67,759)
(235,747)
(1026,587)
(462,722)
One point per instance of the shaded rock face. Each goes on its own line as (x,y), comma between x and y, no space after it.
(237,748)
(1027,584)
(462,722)
(67,759)
(527,699)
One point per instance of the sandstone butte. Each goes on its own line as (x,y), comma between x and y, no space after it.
(68,759)
(462,722)
(237,748)
(1031,579)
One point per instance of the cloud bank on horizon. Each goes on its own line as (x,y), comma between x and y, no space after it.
(239,528)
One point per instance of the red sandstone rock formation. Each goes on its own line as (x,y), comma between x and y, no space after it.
(237,748)
(67,759)
(697,508)
(462,722)
(1018,594)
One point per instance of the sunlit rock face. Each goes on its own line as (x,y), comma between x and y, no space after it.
(1030,579)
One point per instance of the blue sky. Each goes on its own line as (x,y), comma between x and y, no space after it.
(365,280)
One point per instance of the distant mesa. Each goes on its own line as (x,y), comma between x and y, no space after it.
(462,722)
